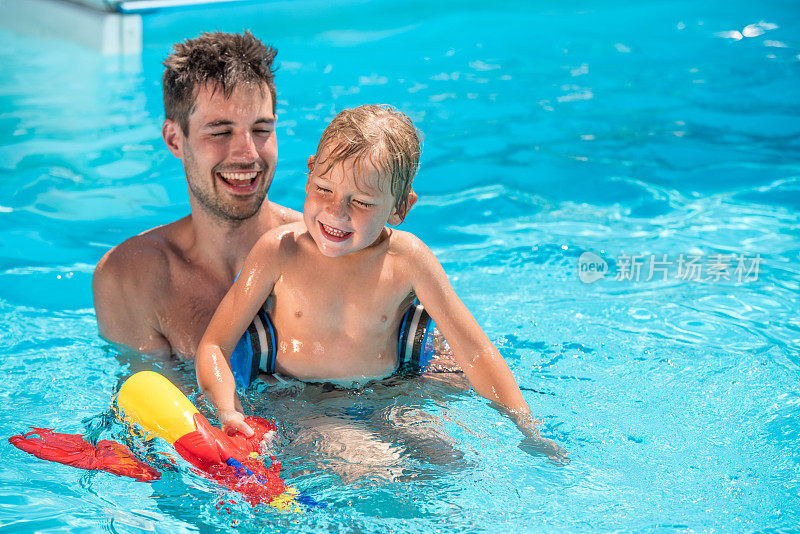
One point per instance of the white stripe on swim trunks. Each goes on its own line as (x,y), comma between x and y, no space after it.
(279,378)
(262,342)
(412,333)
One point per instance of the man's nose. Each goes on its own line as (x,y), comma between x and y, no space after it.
(243,149)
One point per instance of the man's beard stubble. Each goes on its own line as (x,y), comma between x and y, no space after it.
(212,200)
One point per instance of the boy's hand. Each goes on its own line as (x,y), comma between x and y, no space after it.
(232,422)
(539,445)
(535,443)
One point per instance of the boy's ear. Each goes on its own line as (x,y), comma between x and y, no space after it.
(311,163)
(399,216)
(173,137)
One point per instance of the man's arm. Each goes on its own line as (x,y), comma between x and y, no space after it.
(126,284)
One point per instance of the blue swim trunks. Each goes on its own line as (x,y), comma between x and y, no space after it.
(257,350)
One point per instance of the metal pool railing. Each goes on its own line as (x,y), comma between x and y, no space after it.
(112,27)
(139,6)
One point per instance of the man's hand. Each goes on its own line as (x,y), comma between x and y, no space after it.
(232,421)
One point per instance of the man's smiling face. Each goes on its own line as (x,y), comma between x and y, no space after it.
(230,152)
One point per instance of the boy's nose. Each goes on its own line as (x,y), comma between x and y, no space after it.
(338,208)
(243,149)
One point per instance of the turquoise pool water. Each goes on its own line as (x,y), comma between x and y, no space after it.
(550,130)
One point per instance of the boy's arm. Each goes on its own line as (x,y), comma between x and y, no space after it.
(482,363)
(485,368)
(234,314)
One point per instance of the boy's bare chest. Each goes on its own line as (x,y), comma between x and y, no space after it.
(338,325)
(361,301)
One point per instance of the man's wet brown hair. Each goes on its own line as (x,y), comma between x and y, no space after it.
(224,60)
(378,133)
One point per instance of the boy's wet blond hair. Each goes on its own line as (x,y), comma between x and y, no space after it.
(383,136)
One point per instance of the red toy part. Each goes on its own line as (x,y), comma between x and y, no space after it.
(261,487)
(261,428)
(72,449)
(208,448)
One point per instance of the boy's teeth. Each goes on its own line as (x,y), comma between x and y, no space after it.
(239,176)
(334,231)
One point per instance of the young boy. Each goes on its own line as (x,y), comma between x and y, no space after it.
(339,279)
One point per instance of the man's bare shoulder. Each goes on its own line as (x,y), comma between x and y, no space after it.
(140,261)
(130,282)
(283,215)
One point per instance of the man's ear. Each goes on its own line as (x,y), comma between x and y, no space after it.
(173,137)
(399,216)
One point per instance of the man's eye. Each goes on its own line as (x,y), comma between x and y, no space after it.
(219,134)
(262,132)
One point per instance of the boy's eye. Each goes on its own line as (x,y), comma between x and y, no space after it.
(323,190)
(362,204)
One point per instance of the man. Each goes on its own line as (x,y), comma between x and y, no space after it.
(156,292)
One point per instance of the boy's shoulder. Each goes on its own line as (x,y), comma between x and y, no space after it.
(282,237)
(412,254)
(287,230)
(404,243)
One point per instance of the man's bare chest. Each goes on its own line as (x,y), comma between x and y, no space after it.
(186,308)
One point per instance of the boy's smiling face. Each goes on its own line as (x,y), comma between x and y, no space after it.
(347,205)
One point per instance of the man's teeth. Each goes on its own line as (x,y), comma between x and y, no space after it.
(335,231)
(239,176)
